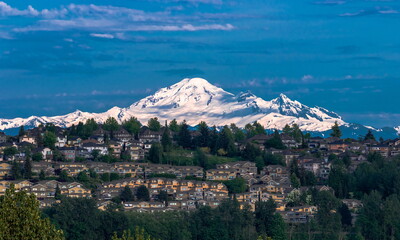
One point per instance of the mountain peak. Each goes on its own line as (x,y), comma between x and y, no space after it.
(190,92)
(77,111)
(284,98)
(282,95)
(242,96)
(193,83)
(196,81)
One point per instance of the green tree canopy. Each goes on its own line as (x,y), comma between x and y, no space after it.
(142,193)
(49,139)
(126,194)
(20,218)
(111,125)
(138,234)
(10,151)
(251,152)
(238,133)
(78,218)
(153,124)
(132,125)
(250,130)
(226,141)
(156,153)
(264,215)
(329,220)
(86,130)
(258,128)
(275,141)
(237,185)
(173,126)
(83,177)
(42,175)
(37,157)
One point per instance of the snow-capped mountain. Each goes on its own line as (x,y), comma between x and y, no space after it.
(397,129)
(196,100)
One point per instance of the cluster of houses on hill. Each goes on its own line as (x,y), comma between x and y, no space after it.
(76,147)
(45,191)
(208,189)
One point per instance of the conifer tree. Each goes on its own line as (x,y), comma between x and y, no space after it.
(184,137)
(203,139)
(155,153)
(21,131)
(16,170)
(287,130)
(57,194)
(111,125)
(28,169)
(369,136)
(173,126)
(336,132)
(226,141)
(42,175)
(166,141)
(296,133)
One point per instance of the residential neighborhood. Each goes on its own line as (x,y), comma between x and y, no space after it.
(50,162)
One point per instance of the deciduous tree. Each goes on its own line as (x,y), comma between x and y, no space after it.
(142,193)
(153,124)
(20,218)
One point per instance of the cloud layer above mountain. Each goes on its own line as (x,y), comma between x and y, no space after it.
(340,54)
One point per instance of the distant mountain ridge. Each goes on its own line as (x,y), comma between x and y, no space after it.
(195,100)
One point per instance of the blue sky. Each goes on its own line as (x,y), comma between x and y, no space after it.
(59,56)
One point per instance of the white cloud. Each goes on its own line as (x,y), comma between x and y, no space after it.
(111,19)
(330,2)
(102,35)
(373,11)
(195,2)
(390,11)
(185,27)
(307,78)
(81,11)
(5,35)
(114,26)
(7,10)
